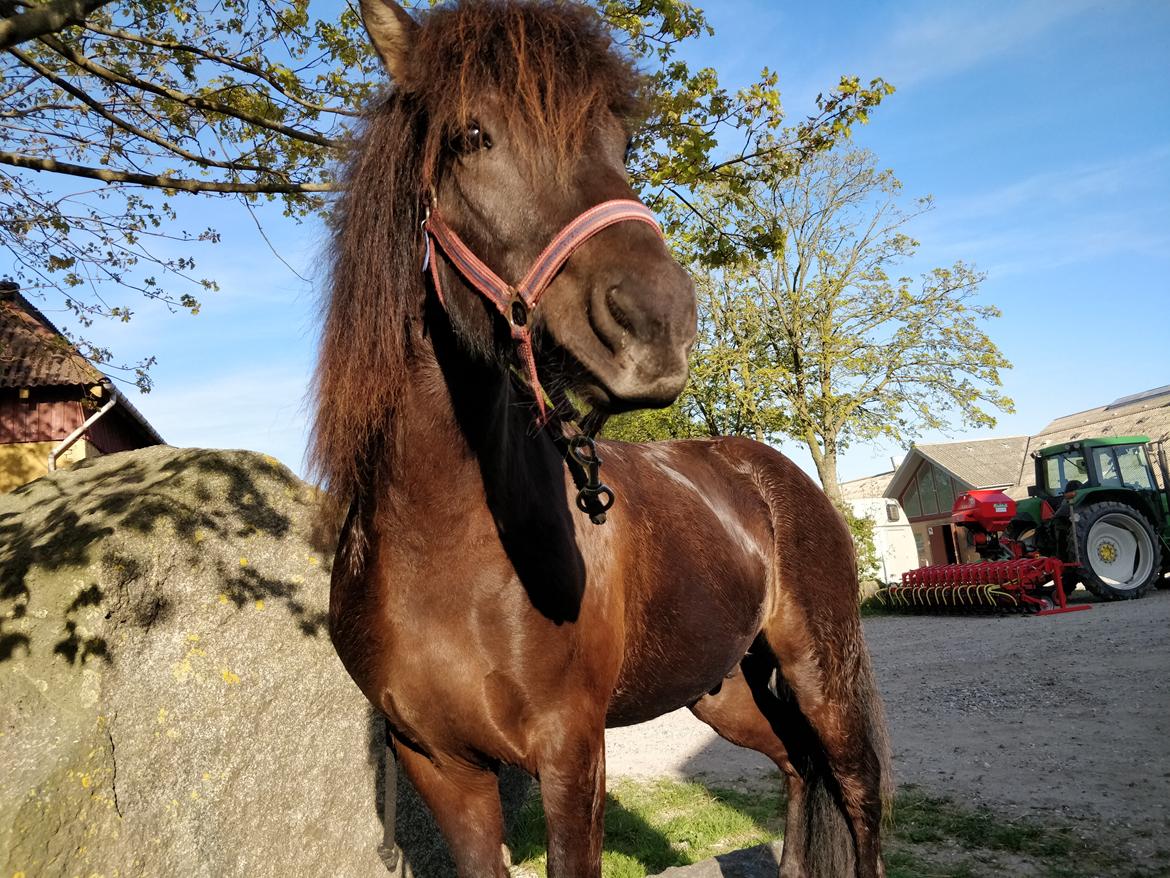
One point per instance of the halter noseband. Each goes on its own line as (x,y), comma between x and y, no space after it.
(517,303)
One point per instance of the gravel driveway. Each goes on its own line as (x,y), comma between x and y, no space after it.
(1066,714)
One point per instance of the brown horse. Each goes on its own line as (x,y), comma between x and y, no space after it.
(472,602)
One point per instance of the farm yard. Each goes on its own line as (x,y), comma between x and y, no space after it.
(1060,722)
(844,309)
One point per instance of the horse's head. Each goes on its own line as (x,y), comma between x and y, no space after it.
(526,113)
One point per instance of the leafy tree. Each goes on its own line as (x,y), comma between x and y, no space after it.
(861,528)
(254,100)
(808,336)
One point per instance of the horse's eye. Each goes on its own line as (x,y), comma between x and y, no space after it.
(629,151)
(471,139)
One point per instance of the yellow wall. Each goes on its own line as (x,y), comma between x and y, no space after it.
(22,462)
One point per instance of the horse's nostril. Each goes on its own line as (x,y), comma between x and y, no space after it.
(620,317)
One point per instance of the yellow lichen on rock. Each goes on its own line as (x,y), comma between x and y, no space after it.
(184,669)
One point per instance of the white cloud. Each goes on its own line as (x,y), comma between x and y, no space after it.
(1083,184)
(1056,217)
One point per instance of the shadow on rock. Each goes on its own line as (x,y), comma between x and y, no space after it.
(91,537)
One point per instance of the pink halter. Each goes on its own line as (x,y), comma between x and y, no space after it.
(516,303)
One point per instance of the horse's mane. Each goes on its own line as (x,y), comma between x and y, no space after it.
(556,68)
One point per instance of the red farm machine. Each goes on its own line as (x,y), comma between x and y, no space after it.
(1096,516)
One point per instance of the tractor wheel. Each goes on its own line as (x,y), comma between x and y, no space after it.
(1118,550)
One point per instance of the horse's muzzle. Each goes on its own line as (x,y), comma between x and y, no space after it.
(647,322)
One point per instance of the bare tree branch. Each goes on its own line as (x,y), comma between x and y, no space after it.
(194,101)
(127,126)
(221,59)
(160,181)
(18,27)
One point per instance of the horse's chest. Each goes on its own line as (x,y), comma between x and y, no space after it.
(463,652)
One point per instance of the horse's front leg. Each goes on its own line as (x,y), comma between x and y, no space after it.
(572,788)
(465,801)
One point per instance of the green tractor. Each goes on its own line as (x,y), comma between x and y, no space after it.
(1097,505)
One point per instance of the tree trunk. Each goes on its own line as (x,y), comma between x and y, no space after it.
(827,470)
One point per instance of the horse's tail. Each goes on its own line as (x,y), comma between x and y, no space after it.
(825,684)
(825,839)
(879,736)
(830,843)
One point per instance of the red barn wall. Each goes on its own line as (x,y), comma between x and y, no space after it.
(48,415)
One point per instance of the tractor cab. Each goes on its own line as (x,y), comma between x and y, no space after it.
(1095,463)
(1107,468)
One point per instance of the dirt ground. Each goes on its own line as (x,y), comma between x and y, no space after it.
(1064,715)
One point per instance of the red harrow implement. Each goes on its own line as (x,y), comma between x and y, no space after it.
(1007,581)
(1023,585)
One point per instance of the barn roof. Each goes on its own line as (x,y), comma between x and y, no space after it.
(1006,463)
(1143,414)
(977,463)
(34,353)
(865,488)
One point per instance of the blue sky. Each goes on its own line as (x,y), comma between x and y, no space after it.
(1042,129)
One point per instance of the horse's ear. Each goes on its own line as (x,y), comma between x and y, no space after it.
(392,32)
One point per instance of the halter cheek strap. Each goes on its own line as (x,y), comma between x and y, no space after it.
(516,303)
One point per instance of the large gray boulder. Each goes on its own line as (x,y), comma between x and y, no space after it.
(170,703)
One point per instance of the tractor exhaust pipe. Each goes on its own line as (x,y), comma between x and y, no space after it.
(1162,465)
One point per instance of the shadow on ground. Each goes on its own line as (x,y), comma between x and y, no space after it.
(674,829)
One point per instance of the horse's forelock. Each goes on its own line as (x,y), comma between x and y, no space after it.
(554,64)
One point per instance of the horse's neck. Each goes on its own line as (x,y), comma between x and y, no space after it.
(472,486)
(464,441)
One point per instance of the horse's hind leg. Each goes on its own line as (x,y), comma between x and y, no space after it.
(746,712)
(465,801)
(821,739)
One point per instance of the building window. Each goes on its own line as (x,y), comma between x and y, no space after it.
(946,492)
(910,500)
(926,490)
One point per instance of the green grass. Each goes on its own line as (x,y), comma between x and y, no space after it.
(653,826)
(650,827)
(980,842)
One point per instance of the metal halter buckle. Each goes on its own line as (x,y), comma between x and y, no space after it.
(594,498)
